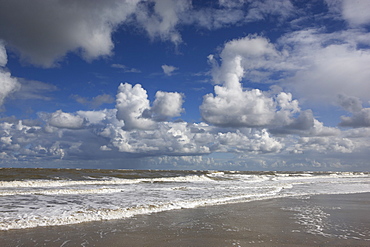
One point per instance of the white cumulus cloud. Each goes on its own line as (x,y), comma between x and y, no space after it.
(167,105)
(62,119)
(133,106)
(236,107)
(232,105)
(131,103)
(253,57)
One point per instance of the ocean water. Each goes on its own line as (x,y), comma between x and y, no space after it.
(49,197)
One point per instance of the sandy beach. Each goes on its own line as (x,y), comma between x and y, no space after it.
(322,220)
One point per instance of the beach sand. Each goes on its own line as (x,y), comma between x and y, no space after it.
(322,220)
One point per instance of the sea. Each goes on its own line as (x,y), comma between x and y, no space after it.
(49,197)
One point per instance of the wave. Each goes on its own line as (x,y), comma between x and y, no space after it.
(108,181)
(29,203)
(60,191)
(98,214)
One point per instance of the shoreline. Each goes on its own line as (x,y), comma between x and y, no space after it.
(330,220)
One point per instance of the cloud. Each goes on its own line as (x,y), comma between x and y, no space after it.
(234,106)
(310,64)
(60,119)
(99,118)
(3,56)
(360,116)
(305,125)
(314,65)
(8,84)
(99,135)
(48,143)
(125,69)
(95,101)
(247,141)
(349,103)
(231,3)
(166,139)
(133,107)
(131,103)
(213,18)
(167,105)
(259,10)
(324,144)
(30,89)
(180,138)
(359,135)
(19,88)
(230,12)
(168,69)
(328,63)
(86,29)
(104,134)
(253,58)
(47,30)
(357,120)
(354,12)
(161,20)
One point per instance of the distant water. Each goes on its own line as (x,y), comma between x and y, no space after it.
(47,197)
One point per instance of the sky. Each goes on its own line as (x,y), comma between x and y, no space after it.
(179,84)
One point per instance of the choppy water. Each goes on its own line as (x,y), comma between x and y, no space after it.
(46,197)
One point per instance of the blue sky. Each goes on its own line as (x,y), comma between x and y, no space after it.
(170,84)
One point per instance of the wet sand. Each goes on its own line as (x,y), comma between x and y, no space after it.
(324,220)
